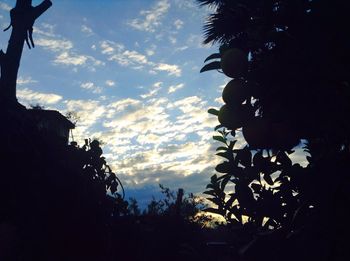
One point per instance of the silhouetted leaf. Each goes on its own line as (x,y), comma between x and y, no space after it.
(244,156)
(213,56)
(213,112)
(218,127)
(268,179)
(210,186)
(283,158)
(223,167)
(211,66)
(229,202)
(210,192)
(222,148)
(256,187)
(220,138)
(216,201)
(224,182)
(226,155)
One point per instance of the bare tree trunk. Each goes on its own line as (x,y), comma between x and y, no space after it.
(23,17)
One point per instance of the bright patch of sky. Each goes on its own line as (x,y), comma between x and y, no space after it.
(129,69)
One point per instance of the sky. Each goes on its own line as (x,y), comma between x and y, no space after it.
(129,70)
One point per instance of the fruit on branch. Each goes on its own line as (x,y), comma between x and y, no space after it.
(234,63)
(234,117)
(235,92)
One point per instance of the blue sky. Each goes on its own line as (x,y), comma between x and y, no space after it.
(129,69)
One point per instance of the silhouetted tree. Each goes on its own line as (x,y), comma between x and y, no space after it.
(289,64)
(23,17)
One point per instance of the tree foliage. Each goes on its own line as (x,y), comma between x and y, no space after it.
(289,64)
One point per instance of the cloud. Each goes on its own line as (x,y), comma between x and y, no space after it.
(54,45)
(88,113)
(178,24)
(122,105)
(25,80)
(174,88)
(70,58)
(116,52)
(28,97)
(151,19)
(172,40)
(65,49)
(87,30)
(91,87)
(171,69)
(109,47)
(144,145)
(5,6)
(151,50)
(110,83)
(154,90)
(135,57)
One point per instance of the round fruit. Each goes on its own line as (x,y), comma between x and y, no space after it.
(256,133)
(234,92)
(233,117)
(234,63)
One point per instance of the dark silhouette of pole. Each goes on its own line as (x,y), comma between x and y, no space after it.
(23,17)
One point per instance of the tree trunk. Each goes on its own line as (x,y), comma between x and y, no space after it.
(23,17)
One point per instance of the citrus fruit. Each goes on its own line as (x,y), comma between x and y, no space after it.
(233,117)
(234,92)
(234,63)
(256,133)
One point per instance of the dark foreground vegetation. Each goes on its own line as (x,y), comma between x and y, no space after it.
(289,64)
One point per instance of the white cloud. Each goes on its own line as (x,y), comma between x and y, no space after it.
(45,30)
(91,87)
(110,83)
(171,69)
(135,57)
(109,47)
(174,88)
(5,6)
(178,24)
(124,104)
(116,52)
(151,18)
(87,30)
(30,97)
(88,112)
(182,48)
(151,50)
(54,45)
(67,55)
(70,58)
(172,40)
(25,80)
(154,90)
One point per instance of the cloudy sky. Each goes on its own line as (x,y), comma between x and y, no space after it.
(129,69)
